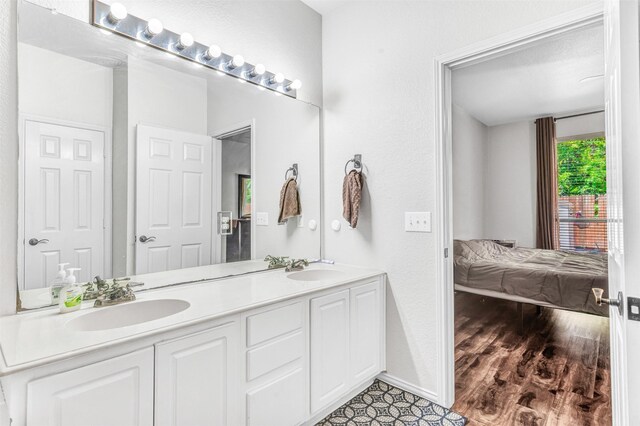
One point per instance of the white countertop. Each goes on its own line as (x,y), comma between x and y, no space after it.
(36,338)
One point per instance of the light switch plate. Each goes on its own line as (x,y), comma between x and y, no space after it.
(633,308)
(417,221)
(262,219)
(300,221)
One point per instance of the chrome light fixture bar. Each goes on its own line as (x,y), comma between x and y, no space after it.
(115,18)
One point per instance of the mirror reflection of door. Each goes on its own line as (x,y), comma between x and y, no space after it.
(174,202)
(236,194)
(64,201)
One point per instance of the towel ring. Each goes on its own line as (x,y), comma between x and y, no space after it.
(294,172)
(357,164)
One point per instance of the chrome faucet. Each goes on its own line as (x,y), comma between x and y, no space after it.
(118,292)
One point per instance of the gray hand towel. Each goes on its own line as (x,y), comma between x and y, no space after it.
(351,197)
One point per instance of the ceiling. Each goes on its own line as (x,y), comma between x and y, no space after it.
(323,7)
(540,80)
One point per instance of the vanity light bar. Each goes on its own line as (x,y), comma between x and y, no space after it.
(115,18)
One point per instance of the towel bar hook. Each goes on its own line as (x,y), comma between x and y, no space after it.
(357,163)
(294,172)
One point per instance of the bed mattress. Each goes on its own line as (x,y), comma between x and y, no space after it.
(553,277)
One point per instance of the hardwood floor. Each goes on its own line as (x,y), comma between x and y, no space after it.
(556,373)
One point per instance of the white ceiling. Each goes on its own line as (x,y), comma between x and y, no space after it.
(537,81)
(323,7)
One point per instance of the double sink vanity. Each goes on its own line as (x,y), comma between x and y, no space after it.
(135,163)
(268,348)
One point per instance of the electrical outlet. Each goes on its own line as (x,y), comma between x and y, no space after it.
(262,219)
(417,221)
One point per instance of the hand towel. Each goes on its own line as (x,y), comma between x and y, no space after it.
(289,201)
(351,197)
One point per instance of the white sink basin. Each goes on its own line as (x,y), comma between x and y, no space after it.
(129,313)
(315,275)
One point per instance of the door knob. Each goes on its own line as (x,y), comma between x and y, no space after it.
(35,241)
(618,302)
(145,239)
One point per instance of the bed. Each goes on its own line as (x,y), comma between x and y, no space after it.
(548,278)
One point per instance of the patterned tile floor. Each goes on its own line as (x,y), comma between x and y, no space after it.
(384,405)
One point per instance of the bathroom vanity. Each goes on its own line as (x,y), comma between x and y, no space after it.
(270,348)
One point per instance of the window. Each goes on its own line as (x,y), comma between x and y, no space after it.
(582,194)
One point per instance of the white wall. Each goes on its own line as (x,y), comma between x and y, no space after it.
(286,132)
(66,88)
(579,126)
(510,183)
(379,101)
(8,157)
(469,162)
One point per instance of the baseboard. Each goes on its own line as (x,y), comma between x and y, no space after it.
(402,384)
(321,414)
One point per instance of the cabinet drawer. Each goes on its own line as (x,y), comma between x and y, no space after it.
(273,355)
(276,322)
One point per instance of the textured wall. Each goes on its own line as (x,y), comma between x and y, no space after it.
(379,101)
(8,157)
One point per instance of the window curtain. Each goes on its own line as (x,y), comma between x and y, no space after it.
(547,186)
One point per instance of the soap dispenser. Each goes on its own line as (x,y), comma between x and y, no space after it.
(58,282)
(70,298)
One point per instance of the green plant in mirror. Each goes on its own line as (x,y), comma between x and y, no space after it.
(276,262)
(108,289)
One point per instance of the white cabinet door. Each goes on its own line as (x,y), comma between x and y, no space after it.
(366,331)
(196,379)
(174,199)
(118,391)
(280,402)
(63,202)
(329,348)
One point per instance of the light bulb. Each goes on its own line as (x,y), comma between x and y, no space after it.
(277,79)
(212,52)
(295,85)
(154,27)
(237,61)
(259,69)
(117,12)
(185,40)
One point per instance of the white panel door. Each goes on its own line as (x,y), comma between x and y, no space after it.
(329,348)
(173,199)
(622,108)
(196,378)
(64,190)
(114,392)
(366,331)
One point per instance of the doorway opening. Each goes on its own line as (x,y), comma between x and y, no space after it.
(529,227)
(236,194)
(446,67)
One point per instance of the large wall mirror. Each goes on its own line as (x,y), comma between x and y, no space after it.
(138,163)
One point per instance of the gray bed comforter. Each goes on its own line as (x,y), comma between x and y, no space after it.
(562,278)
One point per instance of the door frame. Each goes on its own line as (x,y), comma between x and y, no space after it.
(23,118)
(219,134)
(478,52)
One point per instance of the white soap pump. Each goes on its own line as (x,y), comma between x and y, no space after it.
(58,282)
(71,294)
